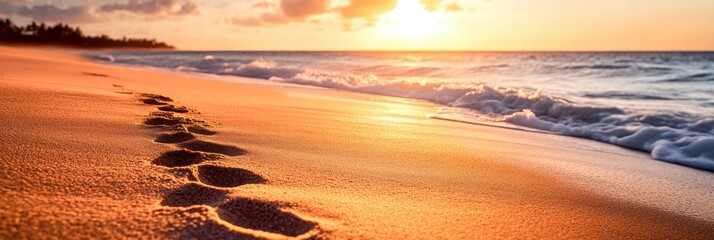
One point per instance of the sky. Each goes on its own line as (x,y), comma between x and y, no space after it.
(489,25)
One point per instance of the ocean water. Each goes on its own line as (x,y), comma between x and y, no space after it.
(659,103)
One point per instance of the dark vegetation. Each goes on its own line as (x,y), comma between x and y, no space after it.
(64,35)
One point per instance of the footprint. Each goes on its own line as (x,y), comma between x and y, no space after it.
(183,173)
(191,128)
(211,147)
(265,216)
(182,158)
(197,222)
(169,120)
(194,194)
(162,121)
(124,92)
(200,130)
(152,101)
(176,137)
(157,97)
(161,114)
(172,108)
(95,74)
(218,176)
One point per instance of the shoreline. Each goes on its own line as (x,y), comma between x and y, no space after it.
(603,116)
(357,165)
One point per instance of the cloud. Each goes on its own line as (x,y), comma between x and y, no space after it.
(9,7)
(361,14)
(154,7)
(188,8)
(431,5)
(263,4)
(441,5)
(367,8)
(300,9)
(370,9)
(263,19)
(91,13)
(285,12)
(365,12)
(52,13)
(452,7)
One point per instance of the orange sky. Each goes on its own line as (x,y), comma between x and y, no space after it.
(390,24)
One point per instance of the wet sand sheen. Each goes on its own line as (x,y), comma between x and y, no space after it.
(284,161)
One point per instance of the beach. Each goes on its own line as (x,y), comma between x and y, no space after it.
(86,153)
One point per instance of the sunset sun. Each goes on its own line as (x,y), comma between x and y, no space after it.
(411,19)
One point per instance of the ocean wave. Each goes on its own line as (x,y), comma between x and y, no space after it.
(265,69)
(598,66)
(404,71)
(104,58)
(656,69)
(625,95)
(489,67)
(699,77)
(665,137)
(678,138)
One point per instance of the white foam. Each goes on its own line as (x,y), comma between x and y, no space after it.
(691,145)
(265,69)
(106,57)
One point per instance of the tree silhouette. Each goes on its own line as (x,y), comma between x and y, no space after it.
(64,35)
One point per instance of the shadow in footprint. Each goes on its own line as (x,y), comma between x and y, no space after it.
(195,222)
(161,114)
(163,121)
(172,108)
(152,101)
(157,97)
(200,130)
(193,194)
(218,176)
(189,128)
(211,147)
(169,120)
(182,158)
(98,75)
(265,216)
(176,137)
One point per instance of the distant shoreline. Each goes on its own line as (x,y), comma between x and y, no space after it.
(59,46)
(63,35)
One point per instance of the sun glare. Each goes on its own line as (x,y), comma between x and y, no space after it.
(411,19)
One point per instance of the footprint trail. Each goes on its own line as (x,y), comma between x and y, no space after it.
(211,185)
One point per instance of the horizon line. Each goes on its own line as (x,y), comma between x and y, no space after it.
(455,51)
